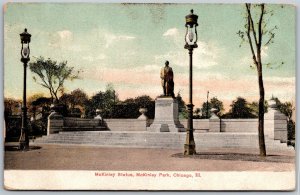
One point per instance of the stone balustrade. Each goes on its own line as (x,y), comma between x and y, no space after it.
(275,124)
(81,124)
(126,124)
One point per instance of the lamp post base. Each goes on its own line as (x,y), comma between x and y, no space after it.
(189,146)
(23,146)
(189,149)
(23,141)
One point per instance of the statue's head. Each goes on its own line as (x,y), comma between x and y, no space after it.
(167,63)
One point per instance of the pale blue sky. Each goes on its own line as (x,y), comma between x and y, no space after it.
(127,44)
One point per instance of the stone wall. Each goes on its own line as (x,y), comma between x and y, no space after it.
(81,122)
(200,125)
(239,125)
(126,124)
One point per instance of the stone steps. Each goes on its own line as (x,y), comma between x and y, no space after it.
(159,140)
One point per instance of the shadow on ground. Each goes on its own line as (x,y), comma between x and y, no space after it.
(238,157)
(16,148)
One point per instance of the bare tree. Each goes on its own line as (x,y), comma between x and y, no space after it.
(255,32)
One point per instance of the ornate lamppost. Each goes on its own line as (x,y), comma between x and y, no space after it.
(25,51)
(190,43)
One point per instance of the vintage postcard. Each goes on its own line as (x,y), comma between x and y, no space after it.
(149,96)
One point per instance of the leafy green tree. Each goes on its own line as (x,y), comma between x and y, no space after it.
(42,105)
(240,109)
(129,108)
(12,117)
(197,113)
(74,102)
(147,102)
(52,75)
(65,99)
(213,103)
(205,110)
(11,106)
(34,97)
(32,109)
(76,98)
(255,109)
(104,101)
(183,114)
(41,108)
(79,98)
(287,108)
(216,103)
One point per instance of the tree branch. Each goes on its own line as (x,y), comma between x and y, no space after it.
(260,30)
(270,39)
(249,37)
(248,5)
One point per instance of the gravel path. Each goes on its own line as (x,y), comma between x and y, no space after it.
(74,157)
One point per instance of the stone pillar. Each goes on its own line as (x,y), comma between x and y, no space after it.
(166,116)
(275,124)
(55,123)
(214,121)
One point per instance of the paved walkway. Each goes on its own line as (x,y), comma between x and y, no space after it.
(76,157)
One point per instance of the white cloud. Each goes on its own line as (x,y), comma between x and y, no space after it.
(152,67)
(93,58)
(123,37)
(64,40)
(65,35)
(171,32)
(205,56)
(111,38)
(246,61)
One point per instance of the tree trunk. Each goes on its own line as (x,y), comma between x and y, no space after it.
(257,61)
(261,136)
(52,98)
(56,98)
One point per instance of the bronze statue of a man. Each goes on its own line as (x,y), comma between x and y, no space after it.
(166,75)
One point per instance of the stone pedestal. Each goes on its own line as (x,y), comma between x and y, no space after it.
(275,124)
(166,116)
